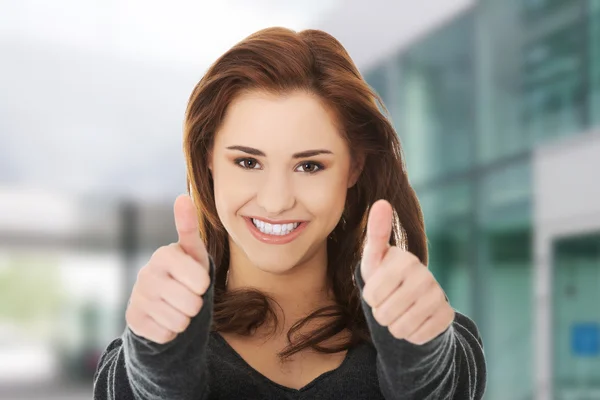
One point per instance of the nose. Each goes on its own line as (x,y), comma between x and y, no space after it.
(275,194)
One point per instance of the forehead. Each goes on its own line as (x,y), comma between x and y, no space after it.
(272,121)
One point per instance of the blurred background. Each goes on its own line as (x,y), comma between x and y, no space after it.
(497,104)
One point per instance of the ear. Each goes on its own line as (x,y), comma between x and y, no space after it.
(356,169)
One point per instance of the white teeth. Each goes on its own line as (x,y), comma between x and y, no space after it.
(274,229)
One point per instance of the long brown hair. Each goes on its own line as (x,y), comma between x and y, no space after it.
(280,61)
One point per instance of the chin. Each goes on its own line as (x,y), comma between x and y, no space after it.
(272,261)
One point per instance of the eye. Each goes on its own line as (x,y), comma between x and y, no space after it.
(248,163)
(309,167)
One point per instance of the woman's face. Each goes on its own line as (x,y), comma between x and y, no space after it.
(281,171)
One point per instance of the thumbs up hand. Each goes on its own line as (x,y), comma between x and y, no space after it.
(169,288)
(402,292)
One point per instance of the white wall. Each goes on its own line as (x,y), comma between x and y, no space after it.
(567,183)
(566,202)
(371,30)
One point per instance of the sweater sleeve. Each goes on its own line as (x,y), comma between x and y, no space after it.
(450,367)
(134,368)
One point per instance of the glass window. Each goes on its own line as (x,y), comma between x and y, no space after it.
(537,9)
(498,66)
(531,74)
(450,261)
(576,317)
(505,195)
(594,56)
(435,110)
(504,256)
(446,211)
(553,77)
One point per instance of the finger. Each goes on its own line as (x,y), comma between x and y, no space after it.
(181,298)
(181,267)
(186,223)
(384,281)
(159,286)
(433,327)
(144,326)
(394,268)
(400,301)
(166,316)
(404,297)
(155,332)
(379,230)
(415,316)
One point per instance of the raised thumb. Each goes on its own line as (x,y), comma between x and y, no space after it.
(379,230)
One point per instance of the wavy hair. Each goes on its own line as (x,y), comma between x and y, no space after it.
(280,60)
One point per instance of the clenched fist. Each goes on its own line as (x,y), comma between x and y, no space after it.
(168,290)
(403,294)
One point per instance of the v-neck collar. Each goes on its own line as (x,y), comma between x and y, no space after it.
(262,377)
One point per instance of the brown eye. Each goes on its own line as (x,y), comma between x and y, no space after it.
(248,163)
(310,167)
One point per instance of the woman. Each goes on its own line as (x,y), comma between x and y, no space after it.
(314,288)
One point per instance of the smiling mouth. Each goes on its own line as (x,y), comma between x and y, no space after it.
(275,229)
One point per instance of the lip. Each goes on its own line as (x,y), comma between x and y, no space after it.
(275,239)
(273,221)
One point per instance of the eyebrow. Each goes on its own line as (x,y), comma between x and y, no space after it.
(258,153)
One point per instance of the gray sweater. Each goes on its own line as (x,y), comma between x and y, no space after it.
(200,365)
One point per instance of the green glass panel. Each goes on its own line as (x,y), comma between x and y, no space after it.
(576,317)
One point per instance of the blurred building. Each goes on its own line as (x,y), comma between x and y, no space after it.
(497,104)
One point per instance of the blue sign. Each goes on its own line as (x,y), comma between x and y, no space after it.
(585,339)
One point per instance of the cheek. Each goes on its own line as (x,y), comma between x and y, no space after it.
(325,197)
(230,192)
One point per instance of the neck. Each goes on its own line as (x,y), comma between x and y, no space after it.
(299,291)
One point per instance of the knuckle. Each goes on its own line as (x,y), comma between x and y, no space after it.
(140,327)
(418,340)
(382,314)
(143,273)
(451,315)
(394,251)
(206,280)
(159,333)
(411,258)
(129,313)
(181,323)
(200,280)
(162,337)
(158,254)
(130,319)
(422,277)
(439,298)
(173,319)
(147,285)
(157,339)
(162,255)
(378,315)
(133,310)
(196,305)
(369,295)
(195,278)
(406,257)
(396,331)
